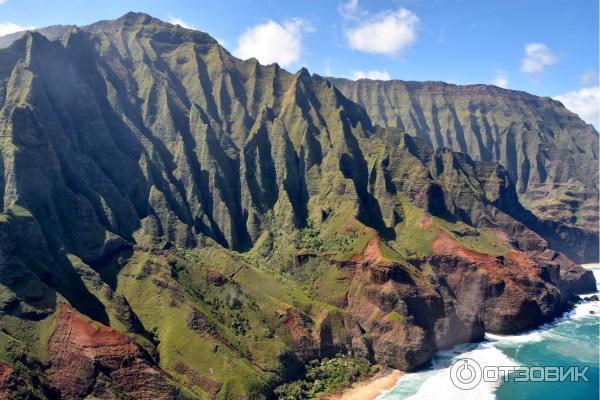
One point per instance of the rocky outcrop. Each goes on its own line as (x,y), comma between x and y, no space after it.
(90,359)
(509,293)
(214,277)
(399,318)
(300,335)
(400,314)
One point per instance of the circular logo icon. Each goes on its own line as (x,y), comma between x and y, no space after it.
(465,373)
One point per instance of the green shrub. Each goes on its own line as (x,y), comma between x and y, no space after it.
(326,376)
(308,238)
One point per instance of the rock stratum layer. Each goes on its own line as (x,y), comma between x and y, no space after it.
(179,223)
(548,151)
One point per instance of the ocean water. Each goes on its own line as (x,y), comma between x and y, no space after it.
(572,340)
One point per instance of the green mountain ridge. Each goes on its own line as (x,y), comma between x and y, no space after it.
(52,32)
(549,152)
(179,223)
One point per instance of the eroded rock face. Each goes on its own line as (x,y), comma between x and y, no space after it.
(509,294)
(394,320)
(535,138)
(400,320)
(88,358)
(301,335)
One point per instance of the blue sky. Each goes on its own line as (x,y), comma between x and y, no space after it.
(549,48)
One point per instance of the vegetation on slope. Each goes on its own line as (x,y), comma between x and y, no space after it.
(326,376)
(236,221)
(548,151)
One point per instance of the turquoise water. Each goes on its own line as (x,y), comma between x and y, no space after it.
(570,341)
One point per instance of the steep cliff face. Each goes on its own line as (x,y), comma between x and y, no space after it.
(154,131)
(221,222)
(549,152)
(89,359)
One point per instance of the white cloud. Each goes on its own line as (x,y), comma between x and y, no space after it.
(588,78)
(180,22)
(537,57)
(500,79)
(3,1)
(350,10)
(273,42)
(585,102)
(9,27)
(374,74)
(389,32)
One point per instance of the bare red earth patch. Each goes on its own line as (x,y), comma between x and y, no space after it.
(300,333)
(425,222)
(5,372)
(519,262)
(446,245)
(372,251)
(7,382)
(89,358)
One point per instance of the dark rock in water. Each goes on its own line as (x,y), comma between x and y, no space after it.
(591,298)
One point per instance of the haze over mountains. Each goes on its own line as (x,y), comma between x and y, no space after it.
(179,223)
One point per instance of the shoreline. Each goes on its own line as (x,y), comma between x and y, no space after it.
(591,266)
(371,388)
(386,380)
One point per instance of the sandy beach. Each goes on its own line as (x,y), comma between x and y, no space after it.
(590,266)
(370,389)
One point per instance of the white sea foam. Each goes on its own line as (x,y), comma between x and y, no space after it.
(591,266)
(436,383)
(529,337)
(584,310)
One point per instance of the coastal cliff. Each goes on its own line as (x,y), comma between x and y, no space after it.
(179,223)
